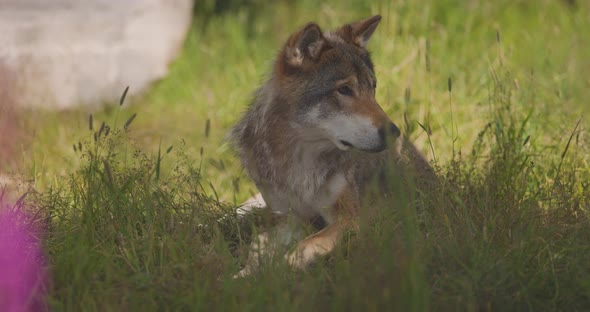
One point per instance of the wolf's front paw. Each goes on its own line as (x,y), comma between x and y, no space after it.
(243,273)
(301,257)
(295,260)
(253,203)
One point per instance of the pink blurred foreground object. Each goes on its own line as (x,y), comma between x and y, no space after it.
(22,265)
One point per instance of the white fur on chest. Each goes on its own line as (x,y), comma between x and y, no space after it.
(307,202)
(310,181)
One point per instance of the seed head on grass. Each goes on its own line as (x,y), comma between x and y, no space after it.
(427,55)
(122,100)
(526,140)
(129,121)
(207,127)
(109,172)
(102,127)
(450,84)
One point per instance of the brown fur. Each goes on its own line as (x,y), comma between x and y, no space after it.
(294,144)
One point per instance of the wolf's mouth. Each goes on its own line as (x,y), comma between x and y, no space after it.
(377,149)
(346,143)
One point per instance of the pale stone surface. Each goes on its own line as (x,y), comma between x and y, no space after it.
(60,54)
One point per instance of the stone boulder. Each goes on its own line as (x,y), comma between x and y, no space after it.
(62,54)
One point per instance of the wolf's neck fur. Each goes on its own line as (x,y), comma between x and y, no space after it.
(312,163)
(276,150)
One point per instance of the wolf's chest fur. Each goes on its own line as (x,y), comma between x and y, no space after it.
(299,176)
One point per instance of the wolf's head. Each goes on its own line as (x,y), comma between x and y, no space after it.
(328,81)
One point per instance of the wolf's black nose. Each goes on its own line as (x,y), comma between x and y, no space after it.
(381,133)
(390,130)
(394,130)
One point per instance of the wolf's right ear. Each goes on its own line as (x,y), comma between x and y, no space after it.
(360,32)
(305,45)
(363,30)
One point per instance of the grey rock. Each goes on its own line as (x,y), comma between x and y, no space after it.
(60,54)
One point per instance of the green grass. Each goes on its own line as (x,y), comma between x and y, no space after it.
(501,85)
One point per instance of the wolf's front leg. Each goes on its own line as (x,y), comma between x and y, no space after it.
(265,245)
(258,249)
(253,203)
(318,244)
(343,212)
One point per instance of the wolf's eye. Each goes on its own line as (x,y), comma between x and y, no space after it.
(345,90)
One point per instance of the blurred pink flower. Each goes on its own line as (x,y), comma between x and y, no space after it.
(22,265)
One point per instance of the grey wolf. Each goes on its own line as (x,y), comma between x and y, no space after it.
(314,136)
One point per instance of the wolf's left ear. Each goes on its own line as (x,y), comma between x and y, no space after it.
(305,45)
(360,32)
